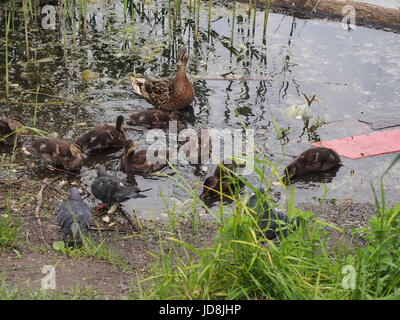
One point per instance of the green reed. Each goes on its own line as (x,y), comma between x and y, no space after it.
(65,12)
(233,21)
(209,18)
(197,25)
(169,24)
(83,4)
(254,17)
(125,7)
(8,19)
(26,20)
(178,11)
(35,109)
(267,5)
(73,22)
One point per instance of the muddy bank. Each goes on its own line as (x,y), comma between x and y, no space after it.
(367,15)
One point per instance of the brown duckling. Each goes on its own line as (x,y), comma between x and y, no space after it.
(220,180)
(59,152)
(156,118)
(133,161)
(103,136)
(7,127)
(169,94)
(312,160)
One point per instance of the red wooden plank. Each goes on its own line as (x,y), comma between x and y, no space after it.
(367,145)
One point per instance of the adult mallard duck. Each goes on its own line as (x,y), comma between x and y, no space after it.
(221,180)
(8,126)
(156,118)
(169,94)
(59,152)
(136,162)
(312,160)
(103,136)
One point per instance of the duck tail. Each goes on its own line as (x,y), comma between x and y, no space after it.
(138,85)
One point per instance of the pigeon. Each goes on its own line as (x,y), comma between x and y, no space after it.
(273,222)
(111,191)
(74,218)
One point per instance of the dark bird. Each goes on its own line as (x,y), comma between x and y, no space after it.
(103,136)
(136,162)
(272,221)
(312,160)
(59,152)
(155,118)
(8,126)
(169,94)
(74,217)
(111,190)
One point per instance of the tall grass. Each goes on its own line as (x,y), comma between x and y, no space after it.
(6,46)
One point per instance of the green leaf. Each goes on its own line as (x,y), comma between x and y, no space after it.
(58,245)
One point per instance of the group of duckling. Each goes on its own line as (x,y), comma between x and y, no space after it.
(170,96)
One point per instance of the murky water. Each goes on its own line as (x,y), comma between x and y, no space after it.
(355,75)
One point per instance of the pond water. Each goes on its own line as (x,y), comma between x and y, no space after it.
(355,74)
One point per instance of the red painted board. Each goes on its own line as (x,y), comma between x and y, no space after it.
(367,145)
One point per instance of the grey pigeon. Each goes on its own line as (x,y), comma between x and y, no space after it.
(111,190)
(273,222)
(74,217)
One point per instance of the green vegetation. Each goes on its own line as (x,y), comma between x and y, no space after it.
(91,249)
(243,264)
(12,292)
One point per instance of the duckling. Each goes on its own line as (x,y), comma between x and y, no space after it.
(220,180)
(7,127)
(156,119)
(272,221)
(74,217)
(169,94)
(111,190)
(312,160)
(133,161)
(59,152)
(104,136)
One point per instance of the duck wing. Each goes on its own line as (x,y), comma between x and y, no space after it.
(158,92)
(101,137)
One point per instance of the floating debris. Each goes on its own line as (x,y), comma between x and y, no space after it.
(89,75)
